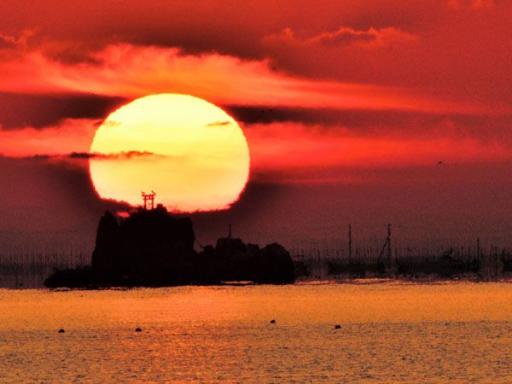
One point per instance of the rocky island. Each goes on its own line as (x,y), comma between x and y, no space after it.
(152,247)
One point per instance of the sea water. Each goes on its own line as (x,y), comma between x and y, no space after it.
(389,332)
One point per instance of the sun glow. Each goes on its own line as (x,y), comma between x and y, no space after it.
(192,153)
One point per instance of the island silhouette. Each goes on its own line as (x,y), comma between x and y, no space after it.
(152,247)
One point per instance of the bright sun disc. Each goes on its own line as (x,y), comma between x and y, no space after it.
(190,152)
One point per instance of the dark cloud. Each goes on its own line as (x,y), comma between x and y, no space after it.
(111,156)
(39,157)
(39,111)
(342,117)
(81,155)
(380,122)
(85,156)
(219,123)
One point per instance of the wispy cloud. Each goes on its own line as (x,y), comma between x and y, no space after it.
(219,124)
(15,41)
(21,110)
(129,71)
(112,156)
(344,36)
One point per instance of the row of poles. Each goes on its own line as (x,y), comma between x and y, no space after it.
(385,248)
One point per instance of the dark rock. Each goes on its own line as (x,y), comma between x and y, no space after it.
(149,247)
(72,278)
(274,265)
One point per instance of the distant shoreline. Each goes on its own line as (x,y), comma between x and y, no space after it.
(307,282)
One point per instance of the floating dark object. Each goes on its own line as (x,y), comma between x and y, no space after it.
(337,326)
(61,330)
(272,321)
(138,329)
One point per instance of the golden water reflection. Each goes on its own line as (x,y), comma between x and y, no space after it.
(390,332)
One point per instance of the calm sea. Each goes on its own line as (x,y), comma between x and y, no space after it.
(390,333)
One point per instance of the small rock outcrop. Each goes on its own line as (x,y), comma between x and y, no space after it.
(233,260)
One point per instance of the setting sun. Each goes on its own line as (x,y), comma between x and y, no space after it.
(190,152)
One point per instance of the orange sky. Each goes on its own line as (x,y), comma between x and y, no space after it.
(338,93)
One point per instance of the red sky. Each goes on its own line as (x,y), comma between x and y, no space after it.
(348,108)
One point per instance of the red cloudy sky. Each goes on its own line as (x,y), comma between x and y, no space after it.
(362,112)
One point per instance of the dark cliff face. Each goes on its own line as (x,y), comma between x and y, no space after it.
(105,256)
(150,245)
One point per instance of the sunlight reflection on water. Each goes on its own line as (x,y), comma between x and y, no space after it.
(389,332)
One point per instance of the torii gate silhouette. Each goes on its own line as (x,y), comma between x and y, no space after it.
(149,200)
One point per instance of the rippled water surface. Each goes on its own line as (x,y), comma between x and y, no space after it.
(390,332)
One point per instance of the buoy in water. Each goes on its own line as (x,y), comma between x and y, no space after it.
(138,329)
(61,330)
(337,326)
(272,321)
